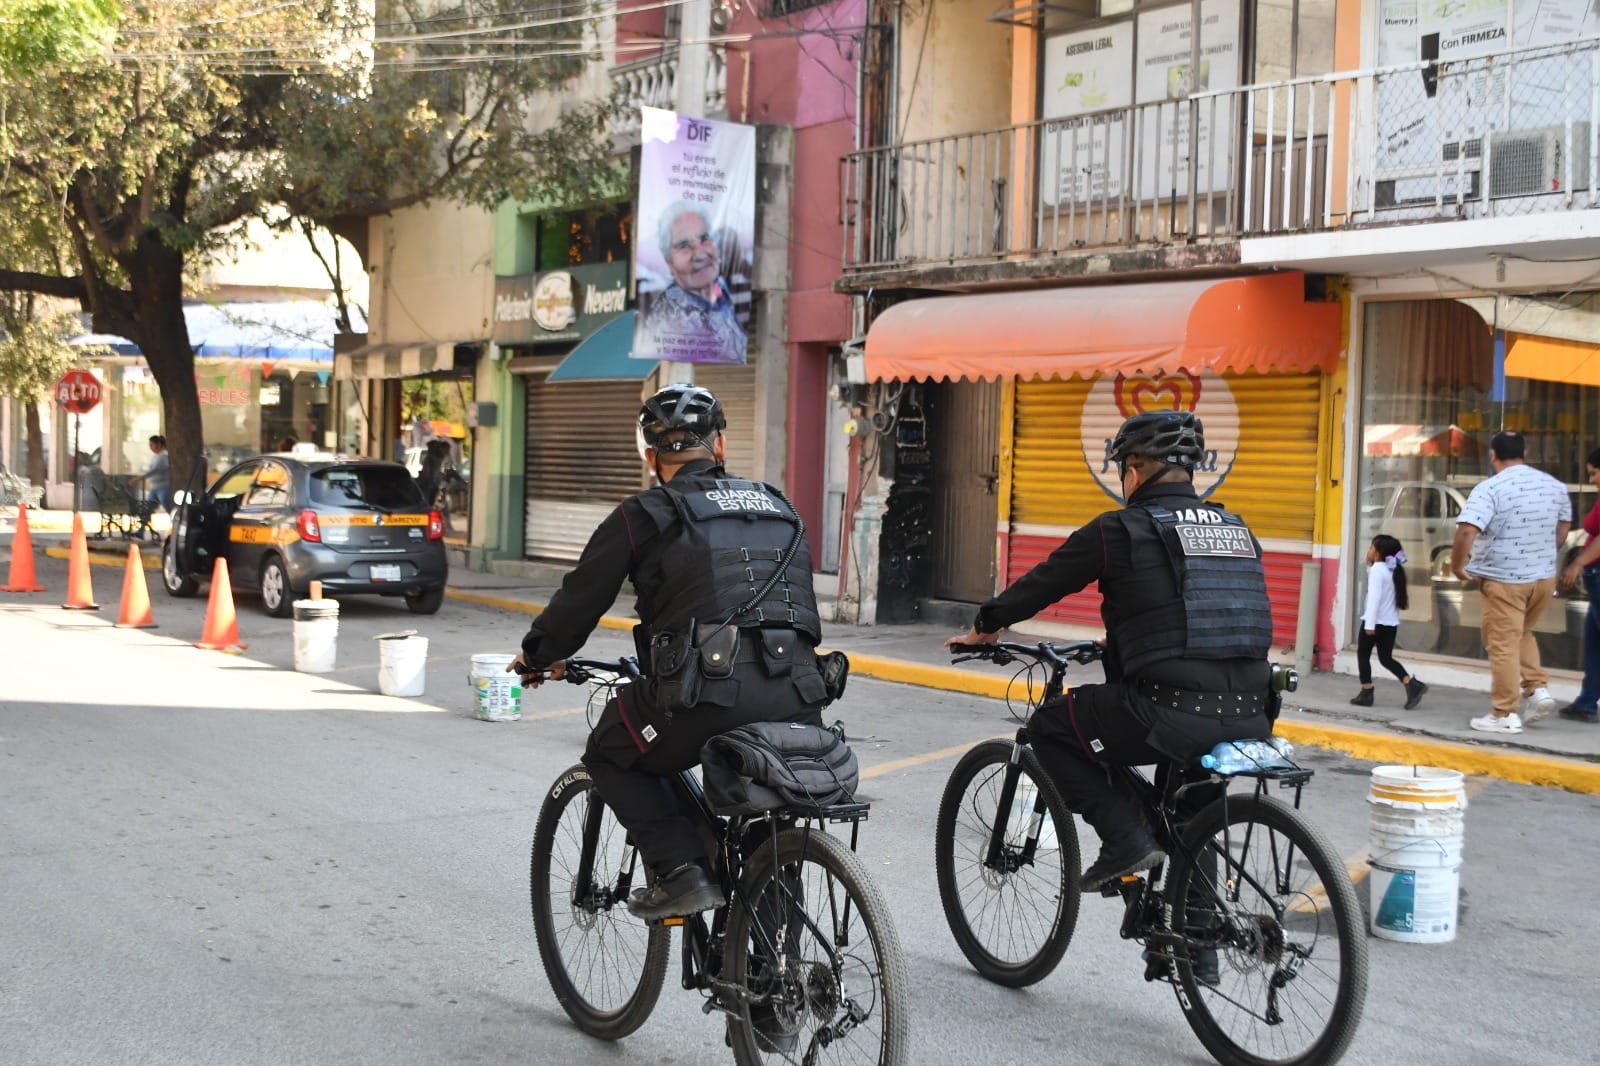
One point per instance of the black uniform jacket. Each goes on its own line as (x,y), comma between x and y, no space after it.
(1101,551)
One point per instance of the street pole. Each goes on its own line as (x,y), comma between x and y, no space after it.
(77,482)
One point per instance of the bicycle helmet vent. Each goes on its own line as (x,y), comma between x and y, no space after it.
(1172,437)
(680,417)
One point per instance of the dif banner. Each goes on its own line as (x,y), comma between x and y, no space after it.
(695,238)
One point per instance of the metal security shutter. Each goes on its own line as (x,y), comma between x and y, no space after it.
(735,386)
(1272,483)
(581,461)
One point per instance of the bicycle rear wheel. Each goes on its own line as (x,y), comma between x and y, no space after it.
(605,966)
(1012,919)
(1268,903)
(811,939)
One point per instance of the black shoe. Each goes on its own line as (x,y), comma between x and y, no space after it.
(1136,852)
(678,893)
(1415,690)
(1363,698)
(1573,713)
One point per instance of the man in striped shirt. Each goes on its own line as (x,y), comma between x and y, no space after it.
(1508,538)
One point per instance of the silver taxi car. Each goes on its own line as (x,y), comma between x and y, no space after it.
(284,521)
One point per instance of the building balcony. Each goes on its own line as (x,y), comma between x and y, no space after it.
(1180,185)
(653,82)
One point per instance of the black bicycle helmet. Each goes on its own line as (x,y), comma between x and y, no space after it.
(681,417)
(1172,437)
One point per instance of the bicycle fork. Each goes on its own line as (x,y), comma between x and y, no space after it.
(998,857)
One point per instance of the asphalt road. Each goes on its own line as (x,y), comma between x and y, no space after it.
(208,858)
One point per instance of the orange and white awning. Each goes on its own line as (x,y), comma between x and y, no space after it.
(1261,323)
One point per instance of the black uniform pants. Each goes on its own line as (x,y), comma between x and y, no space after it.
(636,751)
(1094,727)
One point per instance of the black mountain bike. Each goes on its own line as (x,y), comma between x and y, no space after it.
(1252,919)
(803,960)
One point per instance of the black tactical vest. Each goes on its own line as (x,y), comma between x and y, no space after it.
(721,540)
(1221,610)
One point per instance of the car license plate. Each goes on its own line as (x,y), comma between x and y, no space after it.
(385,572)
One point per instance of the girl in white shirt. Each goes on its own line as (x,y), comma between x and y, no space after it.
(1380,621)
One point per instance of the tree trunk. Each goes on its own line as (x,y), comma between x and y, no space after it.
(155,274)
(38,469)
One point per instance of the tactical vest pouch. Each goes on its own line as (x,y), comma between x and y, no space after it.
(835,667)
(777,651)
(675,671)
(718,646)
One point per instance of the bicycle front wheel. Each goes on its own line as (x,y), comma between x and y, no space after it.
(605,966)
(1272,968)
(1012,914)
(811,942)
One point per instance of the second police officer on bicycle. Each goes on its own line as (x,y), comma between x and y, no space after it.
(728,633)
(1188,630)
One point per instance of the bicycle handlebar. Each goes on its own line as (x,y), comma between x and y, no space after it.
(1002,652)
(581,671)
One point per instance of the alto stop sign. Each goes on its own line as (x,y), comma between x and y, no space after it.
(78,391)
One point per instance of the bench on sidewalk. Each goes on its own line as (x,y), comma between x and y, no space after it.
(15,489)
(122,508)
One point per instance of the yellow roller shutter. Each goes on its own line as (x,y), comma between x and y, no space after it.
(1263,432)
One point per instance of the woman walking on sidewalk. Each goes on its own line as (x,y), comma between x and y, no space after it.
(1380,621)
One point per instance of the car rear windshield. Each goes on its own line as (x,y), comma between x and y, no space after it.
(387,488)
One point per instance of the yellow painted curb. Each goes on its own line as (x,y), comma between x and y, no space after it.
(506,603)
(99,557)
(1525,768)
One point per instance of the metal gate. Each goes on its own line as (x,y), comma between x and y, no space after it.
(581,461)
(964,432)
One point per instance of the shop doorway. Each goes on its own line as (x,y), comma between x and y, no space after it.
(964,437)
(436,447)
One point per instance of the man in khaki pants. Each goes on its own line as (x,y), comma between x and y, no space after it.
(1509,538)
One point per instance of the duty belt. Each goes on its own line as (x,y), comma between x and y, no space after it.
(1218,704)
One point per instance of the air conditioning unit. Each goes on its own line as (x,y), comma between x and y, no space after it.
(1534,162)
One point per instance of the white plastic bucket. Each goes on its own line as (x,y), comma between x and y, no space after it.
(316,635)
(402,664)
(1416,827)
(498,694)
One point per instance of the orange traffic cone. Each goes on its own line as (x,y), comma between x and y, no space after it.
(80,590)
(22,576)
(135,612)
(222,626)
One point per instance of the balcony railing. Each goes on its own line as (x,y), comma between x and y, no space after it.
(654,83)
(1511,133)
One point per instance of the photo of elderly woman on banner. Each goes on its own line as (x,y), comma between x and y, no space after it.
(696,230)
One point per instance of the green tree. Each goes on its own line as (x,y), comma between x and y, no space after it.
(39,33)
(145,159)
(33,353)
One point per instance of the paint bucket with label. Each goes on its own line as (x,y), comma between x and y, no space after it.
(1416,826)
(498,694)
(402,663)
(316,635)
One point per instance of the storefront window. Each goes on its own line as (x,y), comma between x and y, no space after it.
(1441,378)
(433,415)
(140,419)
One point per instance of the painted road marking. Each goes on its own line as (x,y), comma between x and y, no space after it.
(925,757)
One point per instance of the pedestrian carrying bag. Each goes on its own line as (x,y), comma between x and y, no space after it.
(766,766)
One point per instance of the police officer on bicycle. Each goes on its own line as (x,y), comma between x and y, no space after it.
(1188,630)
(728,633)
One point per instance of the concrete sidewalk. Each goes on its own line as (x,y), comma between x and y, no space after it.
(1552,752)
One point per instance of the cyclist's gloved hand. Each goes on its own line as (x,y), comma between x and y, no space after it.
(534,678)
(972,636)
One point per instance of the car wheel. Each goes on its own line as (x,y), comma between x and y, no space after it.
(276,595)
(174,580)
(428,601)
